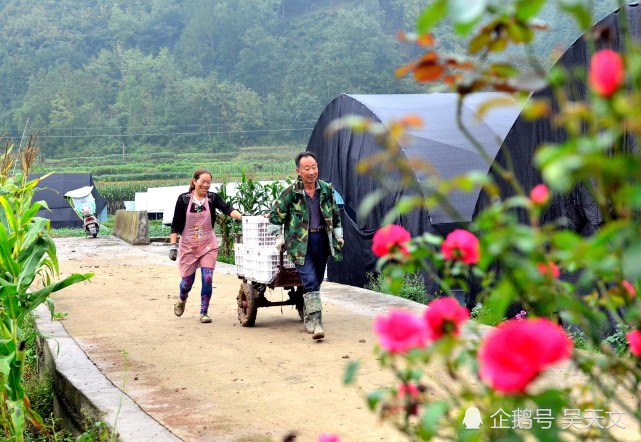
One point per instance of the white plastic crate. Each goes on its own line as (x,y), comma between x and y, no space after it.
(239,258)
(261,264)
(255,232)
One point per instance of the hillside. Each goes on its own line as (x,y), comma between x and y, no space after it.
(96,78)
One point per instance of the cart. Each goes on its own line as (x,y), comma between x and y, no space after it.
(251,295)
(260,266)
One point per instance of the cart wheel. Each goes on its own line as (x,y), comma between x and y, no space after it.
(247,308)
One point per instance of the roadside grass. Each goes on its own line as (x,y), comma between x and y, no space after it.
(38,385)
(413,287)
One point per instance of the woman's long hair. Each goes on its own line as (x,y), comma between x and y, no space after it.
(197,174)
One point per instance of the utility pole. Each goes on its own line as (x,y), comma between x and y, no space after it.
(123,151)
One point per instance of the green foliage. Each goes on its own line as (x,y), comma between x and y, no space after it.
(617,341)
(412,288)
(252,198)
(158,230)
(28,265)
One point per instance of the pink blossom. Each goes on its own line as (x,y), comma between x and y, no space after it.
(629,288)
(409,393)
(390,239)
(408,389)
(444,316)
(400,331)
(461,245)
(513,354)
(606,72)
(634,339)
(540,194)
(328,437)
(549,269)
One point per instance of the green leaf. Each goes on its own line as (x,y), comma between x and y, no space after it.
(466,14)
(374,398)
(433,14)
(7,263)
(37,297)
(370,202)
(30,265)
(350,372)
(631,260)
(579,11)
(8,213)
(34,229)
(430,418)
(527,9)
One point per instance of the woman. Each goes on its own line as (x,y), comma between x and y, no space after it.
(194,219)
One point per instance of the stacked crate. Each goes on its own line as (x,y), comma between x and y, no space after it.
(257,258)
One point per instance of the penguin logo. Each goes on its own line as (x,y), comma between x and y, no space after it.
(472,419)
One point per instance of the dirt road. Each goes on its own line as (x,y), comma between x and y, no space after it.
(221,381)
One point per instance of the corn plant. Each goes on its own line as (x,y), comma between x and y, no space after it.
(28,266)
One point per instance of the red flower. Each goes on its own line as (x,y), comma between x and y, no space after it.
(629,288)
(634,339)
(443,317)
(400,331)
(515,352)
(389,239)
(606,72)
(461,245)
(540,194)
(549,269)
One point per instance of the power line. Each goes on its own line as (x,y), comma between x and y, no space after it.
(154,134)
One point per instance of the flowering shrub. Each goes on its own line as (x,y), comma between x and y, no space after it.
(447,381)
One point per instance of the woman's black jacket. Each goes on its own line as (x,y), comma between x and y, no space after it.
(180,212)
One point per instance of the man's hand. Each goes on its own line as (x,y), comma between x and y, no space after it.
(173,252)
(341,241)
(280,243)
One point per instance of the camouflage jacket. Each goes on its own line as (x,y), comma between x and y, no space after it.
(290,210)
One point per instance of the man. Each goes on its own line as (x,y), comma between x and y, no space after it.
(312,233)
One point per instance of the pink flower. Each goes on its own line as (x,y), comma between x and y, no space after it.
(514,353)
(409,393)
(634,339)
(606,72)
(627,285)
(409,389)
(461,245)
(444,316)
(400,331)
(540,194)
(549,269)
(327,437)
(390,239)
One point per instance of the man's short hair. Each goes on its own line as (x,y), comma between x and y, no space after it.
(303,155)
